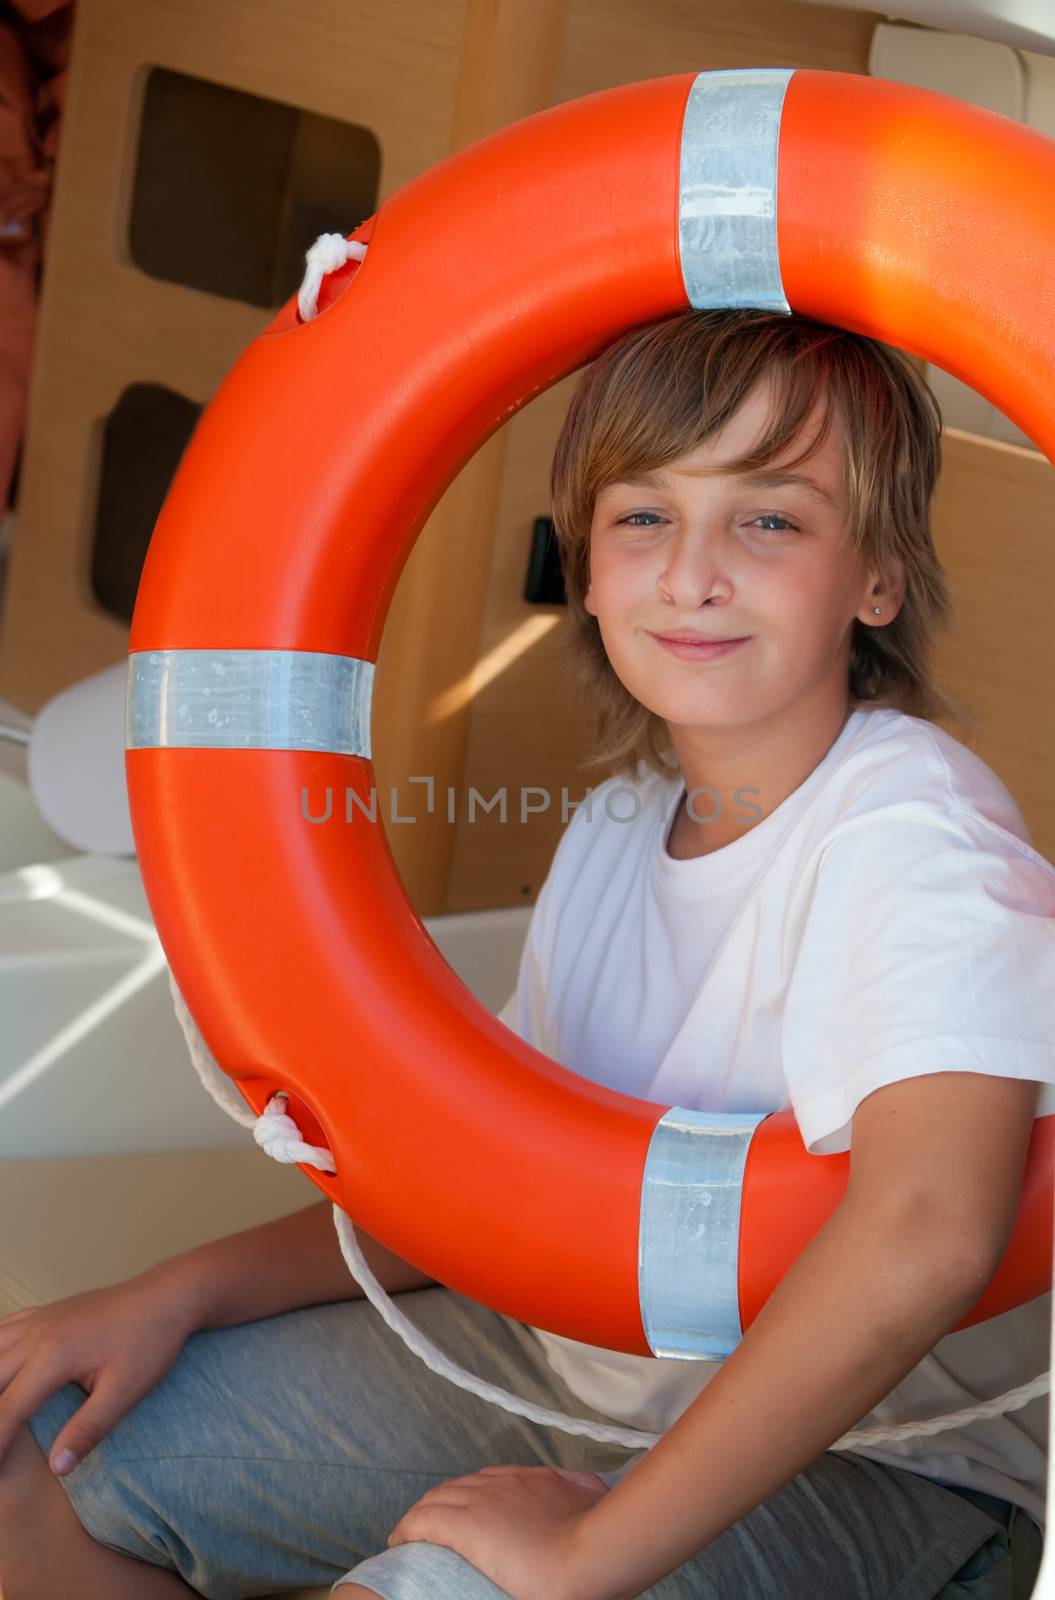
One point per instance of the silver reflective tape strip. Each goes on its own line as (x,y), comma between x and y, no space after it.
(689,1239)
(727,201)
(249,700)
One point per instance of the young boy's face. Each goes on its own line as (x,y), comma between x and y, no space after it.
(767,563)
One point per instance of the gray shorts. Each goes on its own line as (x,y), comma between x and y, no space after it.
(281,1453)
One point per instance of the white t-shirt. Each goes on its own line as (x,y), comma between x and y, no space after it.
(889,918)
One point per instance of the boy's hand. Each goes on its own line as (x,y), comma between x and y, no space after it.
(117,1343)
(516,1525)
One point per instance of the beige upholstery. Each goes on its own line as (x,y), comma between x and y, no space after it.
(76,1223)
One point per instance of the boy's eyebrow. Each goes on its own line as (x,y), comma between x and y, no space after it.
(763,479)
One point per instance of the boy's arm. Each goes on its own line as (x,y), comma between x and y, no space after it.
(908,1251)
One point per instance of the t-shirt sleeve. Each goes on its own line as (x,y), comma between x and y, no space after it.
(927,944)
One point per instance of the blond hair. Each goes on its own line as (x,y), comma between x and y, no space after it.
(660,390)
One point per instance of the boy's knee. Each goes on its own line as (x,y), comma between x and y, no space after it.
(32,1495)
(411,1571)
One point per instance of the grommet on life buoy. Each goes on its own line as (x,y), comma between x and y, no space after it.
(892,211)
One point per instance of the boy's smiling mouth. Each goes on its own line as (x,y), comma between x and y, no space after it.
(699,649)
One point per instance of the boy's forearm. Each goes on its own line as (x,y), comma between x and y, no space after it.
(865,1302)
(278,1266)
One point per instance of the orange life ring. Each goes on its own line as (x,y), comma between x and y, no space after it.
(895,212)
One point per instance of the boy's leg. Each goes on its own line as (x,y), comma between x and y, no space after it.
(277,1454)
(844,1526)
(46,1551)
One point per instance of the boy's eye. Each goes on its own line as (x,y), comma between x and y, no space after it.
(765,516)
(774,516)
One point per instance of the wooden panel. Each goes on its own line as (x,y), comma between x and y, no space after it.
(994,513)
(104,324)
(425,79)
(618,41)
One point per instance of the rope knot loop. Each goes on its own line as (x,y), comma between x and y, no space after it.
(329,252)
(279,1137)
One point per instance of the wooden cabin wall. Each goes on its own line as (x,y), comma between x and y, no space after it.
(994,515)
(468,688)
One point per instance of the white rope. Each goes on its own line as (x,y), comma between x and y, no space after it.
(329,252)
(279,1137)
